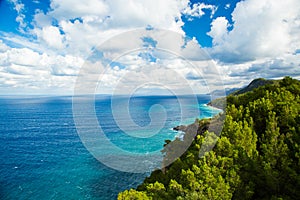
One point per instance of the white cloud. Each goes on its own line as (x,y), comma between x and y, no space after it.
(3,47)
(159,14)
(270,68)
(62,48)
(219,30)
(70,9)
(41,19)
(147,75)
(89,23)
(29,71)
(261,29)
(263,41)
(51,35)
(264,38)
(69,30)
(197,9)
(19,8)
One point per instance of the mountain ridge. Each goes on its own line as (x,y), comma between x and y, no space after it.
(220,103)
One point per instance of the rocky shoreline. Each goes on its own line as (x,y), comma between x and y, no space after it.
(194,127)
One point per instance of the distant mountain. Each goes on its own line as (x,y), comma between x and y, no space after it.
(254,84)
(221,92)
(236,91)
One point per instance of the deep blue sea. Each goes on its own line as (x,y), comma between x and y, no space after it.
(42,156)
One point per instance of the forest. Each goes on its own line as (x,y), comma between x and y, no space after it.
(256,156)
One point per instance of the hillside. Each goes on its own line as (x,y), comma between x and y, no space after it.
(219,102)
(257,155)
(254,84)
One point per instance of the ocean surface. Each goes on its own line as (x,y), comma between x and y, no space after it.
(42,156)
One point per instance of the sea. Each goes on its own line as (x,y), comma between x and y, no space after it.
(42,156)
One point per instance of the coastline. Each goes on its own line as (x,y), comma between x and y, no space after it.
(214,107)
(185,127)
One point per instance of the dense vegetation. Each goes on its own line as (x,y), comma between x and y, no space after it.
(256,157)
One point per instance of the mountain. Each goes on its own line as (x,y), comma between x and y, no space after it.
(256,156)
(236,91)
(254,84)
(221,92)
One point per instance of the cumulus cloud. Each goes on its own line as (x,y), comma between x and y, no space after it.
(260,29)
(264,37)
(91,22)
(66,37)
(198,10)
(23,68)
(22,56)
(52,36)
(166,63)
(152,76)
(262,41)
(60,10)
(219,30)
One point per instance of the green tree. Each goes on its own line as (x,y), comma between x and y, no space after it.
(133,195)
(257,155)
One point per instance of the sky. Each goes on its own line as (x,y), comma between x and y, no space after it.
(46,44)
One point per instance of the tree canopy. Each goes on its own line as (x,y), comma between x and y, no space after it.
(257,155)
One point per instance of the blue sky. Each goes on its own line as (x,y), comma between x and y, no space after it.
(9,24)
(193,26)
(199,27)
(44,44)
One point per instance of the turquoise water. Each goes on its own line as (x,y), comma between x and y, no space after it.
(42,156)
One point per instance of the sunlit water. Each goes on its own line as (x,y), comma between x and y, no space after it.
(42,157)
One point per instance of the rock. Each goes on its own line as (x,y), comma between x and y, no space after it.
(180,128)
